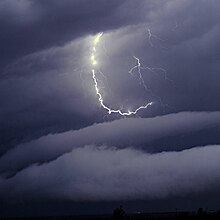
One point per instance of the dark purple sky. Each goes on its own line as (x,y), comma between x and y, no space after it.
(58,146)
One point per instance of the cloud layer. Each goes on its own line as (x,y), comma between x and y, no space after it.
(55,140)
(45,82)
(133,132)
(91,174)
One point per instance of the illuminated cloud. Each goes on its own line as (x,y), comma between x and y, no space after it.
(109,174)
(56,70)
(133,132)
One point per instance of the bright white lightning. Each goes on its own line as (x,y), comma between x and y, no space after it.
(94,62)
(154,70)
(150,36)
(138,67)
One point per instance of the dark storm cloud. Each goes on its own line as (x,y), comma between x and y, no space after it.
(92,174)
(48,98)
(189,52)
(46,87)
(192,54)
(30,26)
(138,133)
(45,97)
(32,46)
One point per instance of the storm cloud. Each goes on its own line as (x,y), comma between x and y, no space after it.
(45,82)
(138,133)
(58,143)
(91,173)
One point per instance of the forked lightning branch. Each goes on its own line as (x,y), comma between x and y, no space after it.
(94,62)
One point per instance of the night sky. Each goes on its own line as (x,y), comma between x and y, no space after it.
(62,153)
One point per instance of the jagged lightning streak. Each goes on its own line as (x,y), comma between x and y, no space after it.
(138,67)
(95,80)
(151,35)
(154,70)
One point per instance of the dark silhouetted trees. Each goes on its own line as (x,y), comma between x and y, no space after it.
(119,213)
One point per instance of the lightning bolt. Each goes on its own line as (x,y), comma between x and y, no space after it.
(154,70)
(151,36)
(137,69)
(94,62)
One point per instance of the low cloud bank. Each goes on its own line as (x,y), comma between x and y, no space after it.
(122,133)
(101,173)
